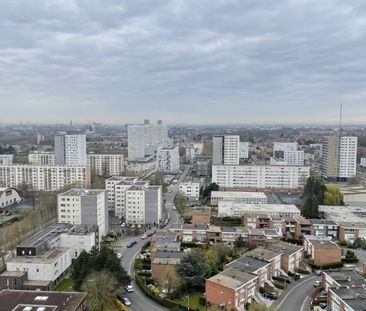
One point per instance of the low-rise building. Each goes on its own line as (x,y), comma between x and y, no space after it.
(291,255)
(264,221)
(269,255)
(20,300)
(354,196)
(322,251)
(238,196)
(42,261)
(201,215)
(9,197)
(262,237)
(234,209)
(190,189)
(231,289)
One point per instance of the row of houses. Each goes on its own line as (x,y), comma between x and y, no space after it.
(241,279)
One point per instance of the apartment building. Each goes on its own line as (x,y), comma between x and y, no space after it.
(280,147)
(339,157)
(46,301)
(41,158)
(238,196)
(6,159)
(296,158)
(168,160)
(263,221)
(226,150)
(42,261)
(135,201)
(44,177)
(144,139)
(105,164)
(231,289)
(190,189)
(235,209)
(70,150)
(261,177)
(8,197)
(363,162)
(262,237)
(244,150)
(321,250)
(84,206)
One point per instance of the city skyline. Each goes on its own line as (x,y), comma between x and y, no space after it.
(222,62)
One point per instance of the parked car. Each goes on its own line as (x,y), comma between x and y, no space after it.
(317,283)
(271,295)
(131,244)
(126,301)
(318,272)
(119,255)
(323,305)
(123,225)
(129,288)
(144,237)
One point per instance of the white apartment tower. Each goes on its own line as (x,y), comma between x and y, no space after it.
(286,153)
(226,150)
(244,150)
(339,157)
(168,160)
(144,139)
(84,206)
(70,150)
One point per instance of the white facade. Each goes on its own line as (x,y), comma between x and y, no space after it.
(78,206)
(70,150)
(363,162)
(9,196)
(190,189)
(41,158)
(168,160)
(43,268)
(238,196)
(284,146)
(290,158)
(260,177)
(348,157)
(226,150)
(144,139)
(239,209)
(190,153)
(6,159)
(339,157)
(78,242)
(44,177)
(244,150)
(105,164)
(135,201)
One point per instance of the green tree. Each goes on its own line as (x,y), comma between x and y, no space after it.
(239,243)
(257,307)
(102,289)
(333,195)
(97,181)
(212,261)
(313,196)
(80,269)
(193,270)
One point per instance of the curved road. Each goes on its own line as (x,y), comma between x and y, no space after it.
(139,301)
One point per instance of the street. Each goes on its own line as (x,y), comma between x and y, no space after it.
(139,301)
(295,297)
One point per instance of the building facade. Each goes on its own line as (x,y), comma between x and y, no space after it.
(70,150)
(105,164)
(226,150)
(190,189)
(83,206)
(168,160)
(8,197)
(6,159)
(238,196)
(264,177)
(44,177)
(41,158)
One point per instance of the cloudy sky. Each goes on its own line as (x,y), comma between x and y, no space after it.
(184,61)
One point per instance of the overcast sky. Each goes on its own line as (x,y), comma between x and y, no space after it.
(188,61)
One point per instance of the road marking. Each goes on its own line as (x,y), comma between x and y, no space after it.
(303,304)
(292,289)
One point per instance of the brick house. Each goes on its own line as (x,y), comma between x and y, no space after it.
(322,251)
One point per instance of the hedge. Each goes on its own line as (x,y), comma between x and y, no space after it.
(301,271)
(327,266)
(278,285)
(350,260)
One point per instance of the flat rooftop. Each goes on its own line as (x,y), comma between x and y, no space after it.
(346,278)
(354,297)
(46,257)
(239,194)
(82,192)
(284,248)
(324,244)
(351,215)
(17,300)
(265,209)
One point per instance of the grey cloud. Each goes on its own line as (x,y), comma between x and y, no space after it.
(184,61)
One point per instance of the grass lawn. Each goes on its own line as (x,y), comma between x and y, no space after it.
(193,301)
(66,285)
